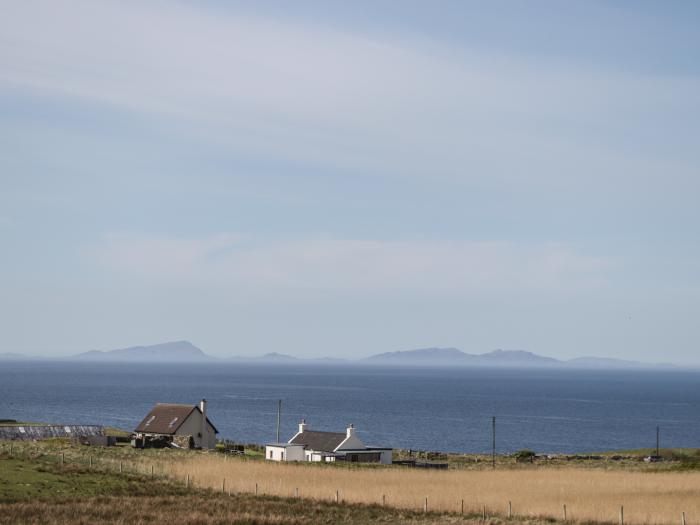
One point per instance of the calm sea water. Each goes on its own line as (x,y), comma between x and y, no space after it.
(448,410)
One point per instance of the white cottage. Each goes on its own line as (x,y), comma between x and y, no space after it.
(314,445)
(186,425)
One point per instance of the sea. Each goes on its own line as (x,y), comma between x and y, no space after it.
(440,409)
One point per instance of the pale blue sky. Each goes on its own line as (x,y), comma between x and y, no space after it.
(346,179)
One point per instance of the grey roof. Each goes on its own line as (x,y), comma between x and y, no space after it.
(29,432)
(321,441)
(166,418)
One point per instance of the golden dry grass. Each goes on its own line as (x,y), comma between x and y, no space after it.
(590,495)
(202,508)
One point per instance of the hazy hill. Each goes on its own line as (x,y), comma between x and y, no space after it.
(277,357)
(432,354)
(176,351)
(184,351)
(515,358)
(456,357)
(496,358)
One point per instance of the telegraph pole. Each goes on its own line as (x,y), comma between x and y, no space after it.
(493,442)
(657,440)
(279,410)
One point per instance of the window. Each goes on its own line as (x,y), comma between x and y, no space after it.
(150,420)
(270,453)
(282,455)
(172,423)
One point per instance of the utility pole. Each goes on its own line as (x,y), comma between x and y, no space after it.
(657,440)
(279,410)
(493,442)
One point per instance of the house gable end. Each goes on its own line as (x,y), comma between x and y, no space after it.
(350,443)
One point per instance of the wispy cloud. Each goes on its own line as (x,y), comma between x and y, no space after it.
(329,97)
(353,265)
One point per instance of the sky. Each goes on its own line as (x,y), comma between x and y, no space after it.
(347,178)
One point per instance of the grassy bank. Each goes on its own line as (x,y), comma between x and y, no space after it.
(52,472)
(36,487)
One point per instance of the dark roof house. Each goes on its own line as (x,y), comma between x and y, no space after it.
(169,419)
(315,445)
(317,440)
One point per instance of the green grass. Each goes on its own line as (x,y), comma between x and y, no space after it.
(41,478)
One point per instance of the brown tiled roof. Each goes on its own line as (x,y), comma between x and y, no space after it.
(321,441)
(166,418)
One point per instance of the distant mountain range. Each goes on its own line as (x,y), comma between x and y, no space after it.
(454,356)
(184,351)
(498,358)
(176,351)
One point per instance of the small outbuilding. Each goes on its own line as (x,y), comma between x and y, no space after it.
(185,426)
(315,445)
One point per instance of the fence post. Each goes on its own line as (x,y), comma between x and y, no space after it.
(11,447)
(425,505)
(90,461)
(383,499)
(187,481)
(484,513)
(256,489)
(462,511)
(63,458)
(296,492)
(510,509)
(622,515)
(564,512)
(223,485)
(151,470)
(337,496)
(121,467)
(682,518)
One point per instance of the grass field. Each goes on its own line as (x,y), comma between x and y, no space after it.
(590,495)
(655,493)
(36,488)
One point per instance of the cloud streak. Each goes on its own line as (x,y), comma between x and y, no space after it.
(332,98)
(352,265)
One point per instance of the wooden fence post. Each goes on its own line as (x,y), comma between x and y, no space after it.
(63,458)
(383,499)
(121,467)
(337,496)
(152,472)
(187,481)
(564,512)
(682,518)
(510,509)
(622,515)
(90,461)
(484,513)
(223,485)
(256,489)
(296,492)
(462,511)
(425,505)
